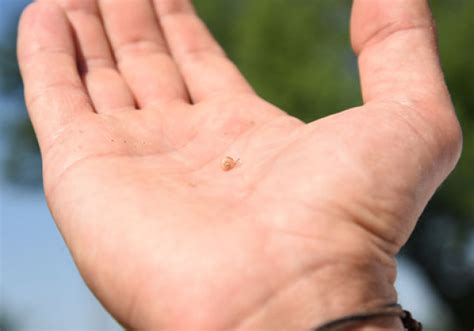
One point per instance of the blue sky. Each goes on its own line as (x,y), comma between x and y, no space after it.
(40,285)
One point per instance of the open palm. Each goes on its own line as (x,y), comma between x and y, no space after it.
(133,136)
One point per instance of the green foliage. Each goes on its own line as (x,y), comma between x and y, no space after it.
(23,165)
(6,323)
(455,27)
(10,80)
(9,72)
(295,53)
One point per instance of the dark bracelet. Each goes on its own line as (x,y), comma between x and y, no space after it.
(392,310)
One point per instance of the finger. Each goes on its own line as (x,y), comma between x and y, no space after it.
(396,44)
(141,51)
(54,92)
(202,62)
(106,87)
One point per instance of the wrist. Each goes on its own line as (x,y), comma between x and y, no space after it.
(329,294)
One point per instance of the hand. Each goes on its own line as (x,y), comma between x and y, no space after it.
(307,225)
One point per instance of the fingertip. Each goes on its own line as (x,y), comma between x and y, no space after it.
(43,24)
(39,12)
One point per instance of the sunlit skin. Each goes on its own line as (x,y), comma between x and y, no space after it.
(307,225)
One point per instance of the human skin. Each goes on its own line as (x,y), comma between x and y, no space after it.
(303,230)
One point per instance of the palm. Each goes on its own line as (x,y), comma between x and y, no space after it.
(283,193)
(146,187)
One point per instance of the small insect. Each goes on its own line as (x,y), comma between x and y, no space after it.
(229,163)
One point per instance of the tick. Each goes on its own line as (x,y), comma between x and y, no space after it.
(229,163)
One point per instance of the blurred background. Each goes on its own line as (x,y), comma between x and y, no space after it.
(296,53)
